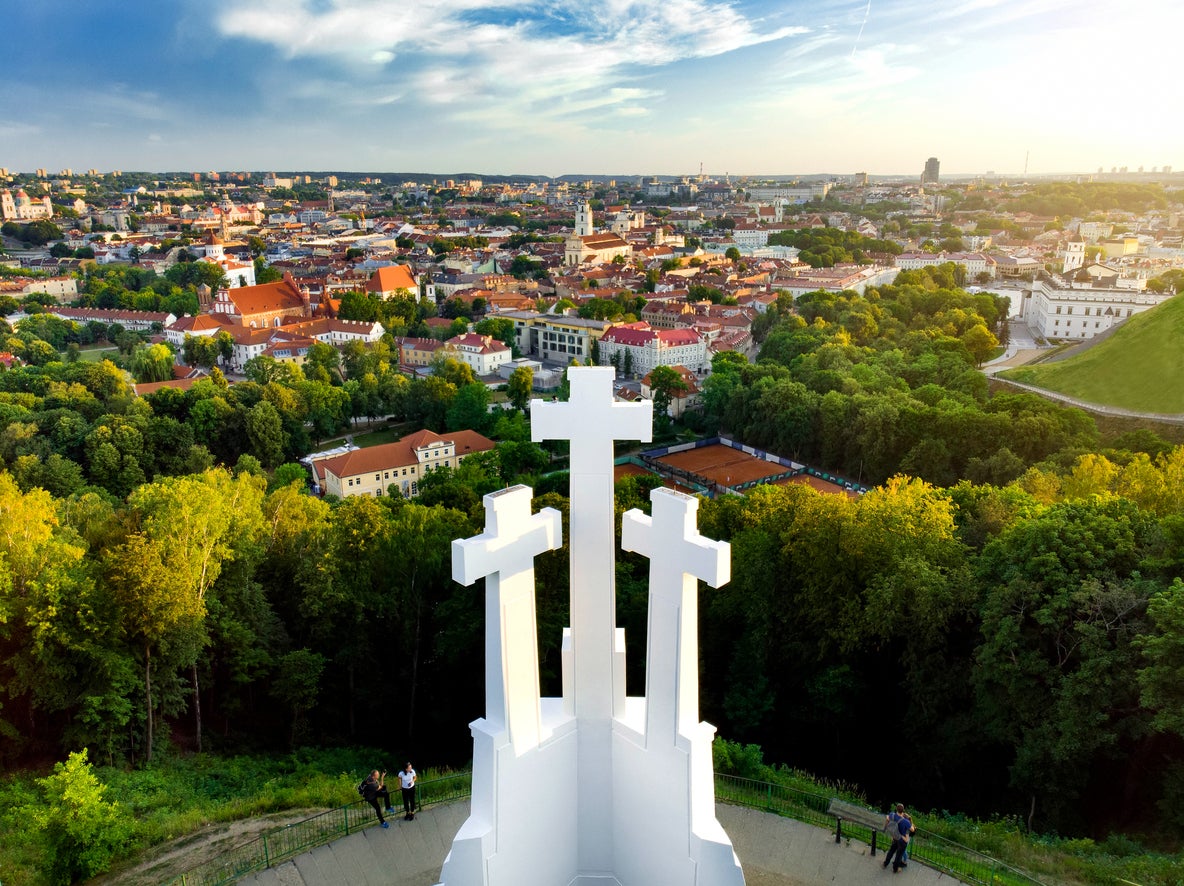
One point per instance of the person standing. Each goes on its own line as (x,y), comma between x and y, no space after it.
(904,856)
(897,824)
(407,783)
(373,788)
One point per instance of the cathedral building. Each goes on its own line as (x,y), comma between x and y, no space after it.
(585,246)
(21,207)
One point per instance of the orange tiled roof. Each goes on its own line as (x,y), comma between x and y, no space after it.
(391,278)
(402,452)
(181,384)
(283,295)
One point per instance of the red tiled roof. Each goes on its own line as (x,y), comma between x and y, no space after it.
(402,452)
(391,278)
(181,384)
(283,295)
(202,321)
(486,344)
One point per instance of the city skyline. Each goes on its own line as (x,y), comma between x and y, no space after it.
(521,87)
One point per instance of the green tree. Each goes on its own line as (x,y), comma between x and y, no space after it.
(520,387)
(665,385)
(189,527)
(1162,680)
(84,832)
(981,343)
(265,430)
(297,686)
(287,474)
(469,409)
(1063,602)
(323,363)
(152,363)
(451,370)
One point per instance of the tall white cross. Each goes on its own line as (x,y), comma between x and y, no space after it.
(678,556)
(591,421)
(504,555)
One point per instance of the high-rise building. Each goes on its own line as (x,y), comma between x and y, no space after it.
(932,167)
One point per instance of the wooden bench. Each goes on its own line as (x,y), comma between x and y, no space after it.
(869,818)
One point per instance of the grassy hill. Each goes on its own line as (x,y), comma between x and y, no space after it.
(1139,367)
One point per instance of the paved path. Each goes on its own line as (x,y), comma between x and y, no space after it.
(774,851)
(1175,418)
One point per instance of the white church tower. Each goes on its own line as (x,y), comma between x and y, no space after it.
(583,219)
(1073,255)
(593,788)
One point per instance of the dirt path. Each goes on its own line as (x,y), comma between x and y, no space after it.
(161,863)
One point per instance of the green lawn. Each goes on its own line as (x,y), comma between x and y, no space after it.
(1140,367)
(96,353)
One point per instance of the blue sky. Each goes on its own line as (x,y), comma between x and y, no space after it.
(564,86)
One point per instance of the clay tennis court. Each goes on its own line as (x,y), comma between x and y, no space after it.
(722,464)
(628,470)
(818,484)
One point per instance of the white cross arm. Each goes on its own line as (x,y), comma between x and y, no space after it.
(670,538)
(513,537)
(591,411)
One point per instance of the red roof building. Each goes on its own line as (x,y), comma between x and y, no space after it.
(391,281)
(637,348)
(402,464)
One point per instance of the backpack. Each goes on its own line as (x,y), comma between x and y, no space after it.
(362,788)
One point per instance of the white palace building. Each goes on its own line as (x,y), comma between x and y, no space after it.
(1056,308)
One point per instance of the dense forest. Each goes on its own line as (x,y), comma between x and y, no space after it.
(997,628)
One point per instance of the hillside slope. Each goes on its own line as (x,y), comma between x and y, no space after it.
(1139,367)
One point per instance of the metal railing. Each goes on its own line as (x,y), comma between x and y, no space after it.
(281,844)
(962,862)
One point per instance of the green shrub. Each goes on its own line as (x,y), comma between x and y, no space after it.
(83,832)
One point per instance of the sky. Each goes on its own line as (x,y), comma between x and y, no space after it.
(554,87)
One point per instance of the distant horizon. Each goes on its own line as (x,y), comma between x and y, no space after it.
(722,85)
(282,172)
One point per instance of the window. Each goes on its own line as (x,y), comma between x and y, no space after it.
(378,476)
(351,481)
(386,475)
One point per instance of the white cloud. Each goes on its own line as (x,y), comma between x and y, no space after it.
(504,59)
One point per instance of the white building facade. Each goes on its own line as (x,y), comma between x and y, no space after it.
(975,263)
(646,348)
(484,353)
(1055,309)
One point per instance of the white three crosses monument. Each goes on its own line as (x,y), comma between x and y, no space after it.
(594,788)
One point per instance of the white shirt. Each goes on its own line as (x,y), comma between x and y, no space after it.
(407,778)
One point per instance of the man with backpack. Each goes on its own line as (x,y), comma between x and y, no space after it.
(900,828)
(371,789)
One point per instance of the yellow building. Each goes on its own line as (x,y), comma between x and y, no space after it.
(375,469)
